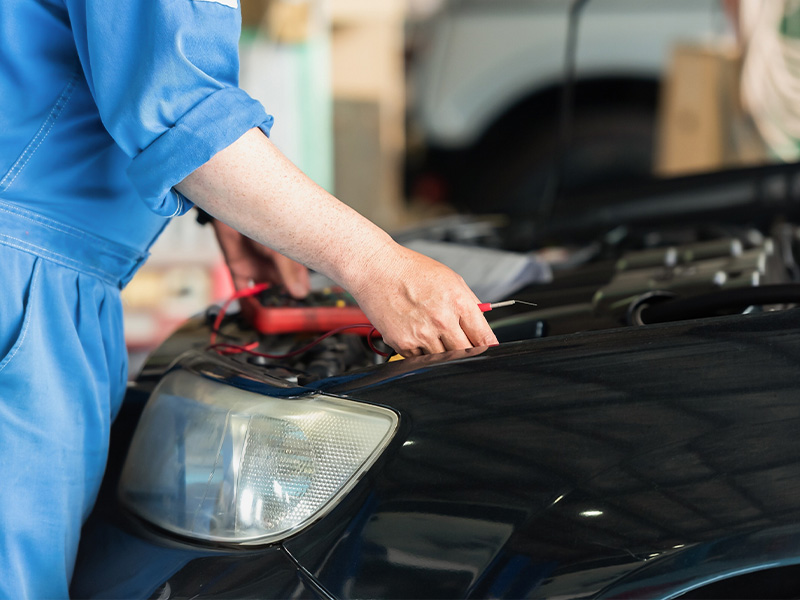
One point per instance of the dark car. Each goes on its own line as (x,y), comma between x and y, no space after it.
(635,435)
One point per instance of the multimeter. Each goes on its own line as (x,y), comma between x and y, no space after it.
(273,311)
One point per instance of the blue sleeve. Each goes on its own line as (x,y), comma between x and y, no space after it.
(164,75)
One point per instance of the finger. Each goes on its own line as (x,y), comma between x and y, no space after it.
(408,352)
(433,346)
(414,345)
(466,290)
(241,282)
(475,327)
(455,339)
(293,275)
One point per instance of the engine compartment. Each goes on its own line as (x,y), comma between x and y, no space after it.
(626,278)
(651,276)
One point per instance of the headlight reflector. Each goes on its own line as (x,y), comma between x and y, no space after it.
(218,463)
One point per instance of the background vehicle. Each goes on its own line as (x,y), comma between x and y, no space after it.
(486,86)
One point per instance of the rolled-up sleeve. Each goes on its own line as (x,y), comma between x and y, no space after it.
(164,76)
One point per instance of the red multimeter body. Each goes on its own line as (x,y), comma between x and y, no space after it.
(273,312)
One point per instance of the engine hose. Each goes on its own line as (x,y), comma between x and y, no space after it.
(709,305)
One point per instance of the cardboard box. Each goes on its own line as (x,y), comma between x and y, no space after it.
(253,12)
(702,125)
(289,22)
(368,84)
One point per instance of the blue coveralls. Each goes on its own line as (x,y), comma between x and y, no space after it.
(104,106)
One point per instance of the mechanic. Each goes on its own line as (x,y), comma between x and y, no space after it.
(114,117)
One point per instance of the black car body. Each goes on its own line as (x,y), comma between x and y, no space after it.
(587,456)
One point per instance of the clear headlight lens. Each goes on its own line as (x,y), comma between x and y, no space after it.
(219,463)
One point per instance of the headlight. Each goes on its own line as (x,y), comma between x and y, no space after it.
(223,464)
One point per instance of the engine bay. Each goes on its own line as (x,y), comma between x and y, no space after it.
(655,276)
(627,278)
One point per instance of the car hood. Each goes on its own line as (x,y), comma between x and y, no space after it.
(576,465)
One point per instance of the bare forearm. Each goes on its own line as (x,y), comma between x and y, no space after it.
(254,188)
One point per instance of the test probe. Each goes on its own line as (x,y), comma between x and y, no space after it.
(487,306)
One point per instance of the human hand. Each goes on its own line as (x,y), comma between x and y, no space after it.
(250,262)
(419,305)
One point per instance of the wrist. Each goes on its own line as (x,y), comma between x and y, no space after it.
(368,263)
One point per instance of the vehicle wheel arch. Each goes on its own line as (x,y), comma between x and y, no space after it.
(507,137)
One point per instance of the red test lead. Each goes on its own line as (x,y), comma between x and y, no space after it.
(487,306)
